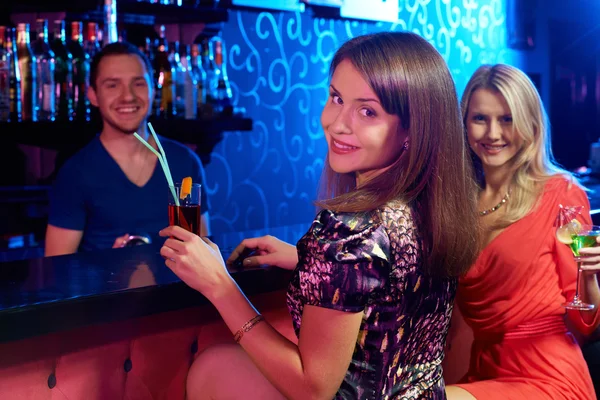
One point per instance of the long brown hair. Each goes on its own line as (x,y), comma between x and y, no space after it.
(533,164)
(434,175)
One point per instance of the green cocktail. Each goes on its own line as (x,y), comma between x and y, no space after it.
(583,239)
(577,236)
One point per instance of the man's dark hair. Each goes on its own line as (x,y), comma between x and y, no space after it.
(117,49)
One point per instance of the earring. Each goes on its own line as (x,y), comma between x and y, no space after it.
(405,145)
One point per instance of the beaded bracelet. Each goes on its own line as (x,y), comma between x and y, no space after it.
(246,327)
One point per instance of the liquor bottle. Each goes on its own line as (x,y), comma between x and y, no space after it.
(81,73)
(45,67)
(27,70)
(211,76)
(14,77)
(200,75)
(157,83)
(100,37)
(190,85)
(91,45)
(4,77)
(165,89)
(110,34)
(63,73)
(222,91)
(148,49)
(179,73)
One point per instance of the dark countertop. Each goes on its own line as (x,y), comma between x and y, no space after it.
(44,295)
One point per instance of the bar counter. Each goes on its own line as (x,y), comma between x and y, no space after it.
(45,295)
(113,324)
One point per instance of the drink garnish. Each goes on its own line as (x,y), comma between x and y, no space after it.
(565,233)
(568,225)
(186,187)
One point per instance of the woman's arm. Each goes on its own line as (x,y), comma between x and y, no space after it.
(585,321)
(589,289)
(265,250)
(315,368)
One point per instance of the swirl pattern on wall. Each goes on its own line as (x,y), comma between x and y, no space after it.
(278,66)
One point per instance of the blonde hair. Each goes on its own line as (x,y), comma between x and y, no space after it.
(534,163)
(434,175)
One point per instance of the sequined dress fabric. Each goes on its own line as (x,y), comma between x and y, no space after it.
(372,262)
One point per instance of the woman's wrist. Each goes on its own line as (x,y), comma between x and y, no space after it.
(247,327)
(223,291)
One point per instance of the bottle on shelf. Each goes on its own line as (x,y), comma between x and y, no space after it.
(179,78)
(165,89)
(63,73)
(211,76)
(14,82)
(148,50)
(200,75)
(221,90)
(91,44)
(27,70)
(190,85)
(110,34)
(5,63)
(81,73)
(45,69)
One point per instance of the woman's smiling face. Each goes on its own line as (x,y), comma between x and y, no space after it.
(362,137)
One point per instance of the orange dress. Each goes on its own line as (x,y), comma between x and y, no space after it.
(512,298)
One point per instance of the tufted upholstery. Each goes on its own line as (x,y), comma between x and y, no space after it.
(142,359)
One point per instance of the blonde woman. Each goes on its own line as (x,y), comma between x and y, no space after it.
(512,297)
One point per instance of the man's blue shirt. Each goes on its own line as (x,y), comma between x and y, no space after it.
(92,194)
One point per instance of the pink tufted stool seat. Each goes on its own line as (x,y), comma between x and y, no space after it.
(140,359)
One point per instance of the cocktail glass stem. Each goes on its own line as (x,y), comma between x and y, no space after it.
(576,303)
(576,299)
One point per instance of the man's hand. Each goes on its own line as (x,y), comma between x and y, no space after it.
(121,241)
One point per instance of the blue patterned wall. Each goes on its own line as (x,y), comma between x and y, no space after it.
(278,66)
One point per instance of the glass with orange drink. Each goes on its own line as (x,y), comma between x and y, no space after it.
(185,210)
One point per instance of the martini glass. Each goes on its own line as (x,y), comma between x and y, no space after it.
(578,236)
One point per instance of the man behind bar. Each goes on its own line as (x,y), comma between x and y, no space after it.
(114,187)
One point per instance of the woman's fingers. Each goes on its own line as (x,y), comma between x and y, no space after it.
(168,253)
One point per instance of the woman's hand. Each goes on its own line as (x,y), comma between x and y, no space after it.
(590,257)
(267,250)
(589,289)
(196,261)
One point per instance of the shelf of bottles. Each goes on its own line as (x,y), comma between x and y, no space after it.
(44,79)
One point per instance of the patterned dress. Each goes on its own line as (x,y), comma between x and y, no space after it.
(371,262)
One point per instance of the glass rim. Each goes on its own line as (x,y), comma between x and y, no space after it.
(179,185)
(587,229)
